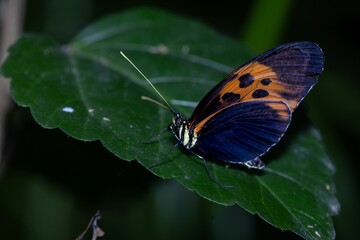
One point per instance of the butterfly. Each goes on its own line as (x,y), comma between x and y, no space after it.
(248,112)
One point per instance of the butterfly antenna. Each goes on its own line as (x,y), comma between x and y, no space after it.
(145,98)
(169,106)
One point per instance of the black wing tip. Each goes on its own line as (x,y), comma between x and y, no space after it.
(308,53)
(315,55)
(303,46)
(306,47)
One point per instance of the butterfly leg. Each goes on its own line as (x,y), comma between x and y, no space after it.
(160,161)
(254,163)
(211,176)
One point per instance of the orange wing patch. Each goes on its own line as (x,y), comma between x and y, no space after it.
(256,81)
(285,74)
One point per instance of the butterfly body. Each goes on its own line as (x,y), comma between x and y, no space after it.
(248,112)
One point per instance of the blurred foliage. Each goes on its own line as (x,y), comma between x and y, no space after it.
(44,194)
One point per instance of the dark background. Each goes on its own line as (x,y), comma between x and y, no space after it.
(51,184)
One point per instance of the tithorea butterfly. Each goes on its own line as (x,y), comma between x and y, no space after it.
(248,112)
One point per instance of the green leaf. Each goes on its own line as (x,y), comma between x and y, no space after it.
(271,23)
(90,92)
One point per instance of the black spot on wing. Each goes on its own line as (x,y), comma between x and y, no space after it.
(246,80)
(230,97)
(266,81)
(260,93)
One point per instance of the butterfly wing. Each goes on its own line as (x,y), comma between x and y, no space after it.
(244,115)
(285,73)
(245,131)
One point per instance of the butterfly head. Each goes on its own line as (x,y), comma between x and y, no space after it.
(177,120)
